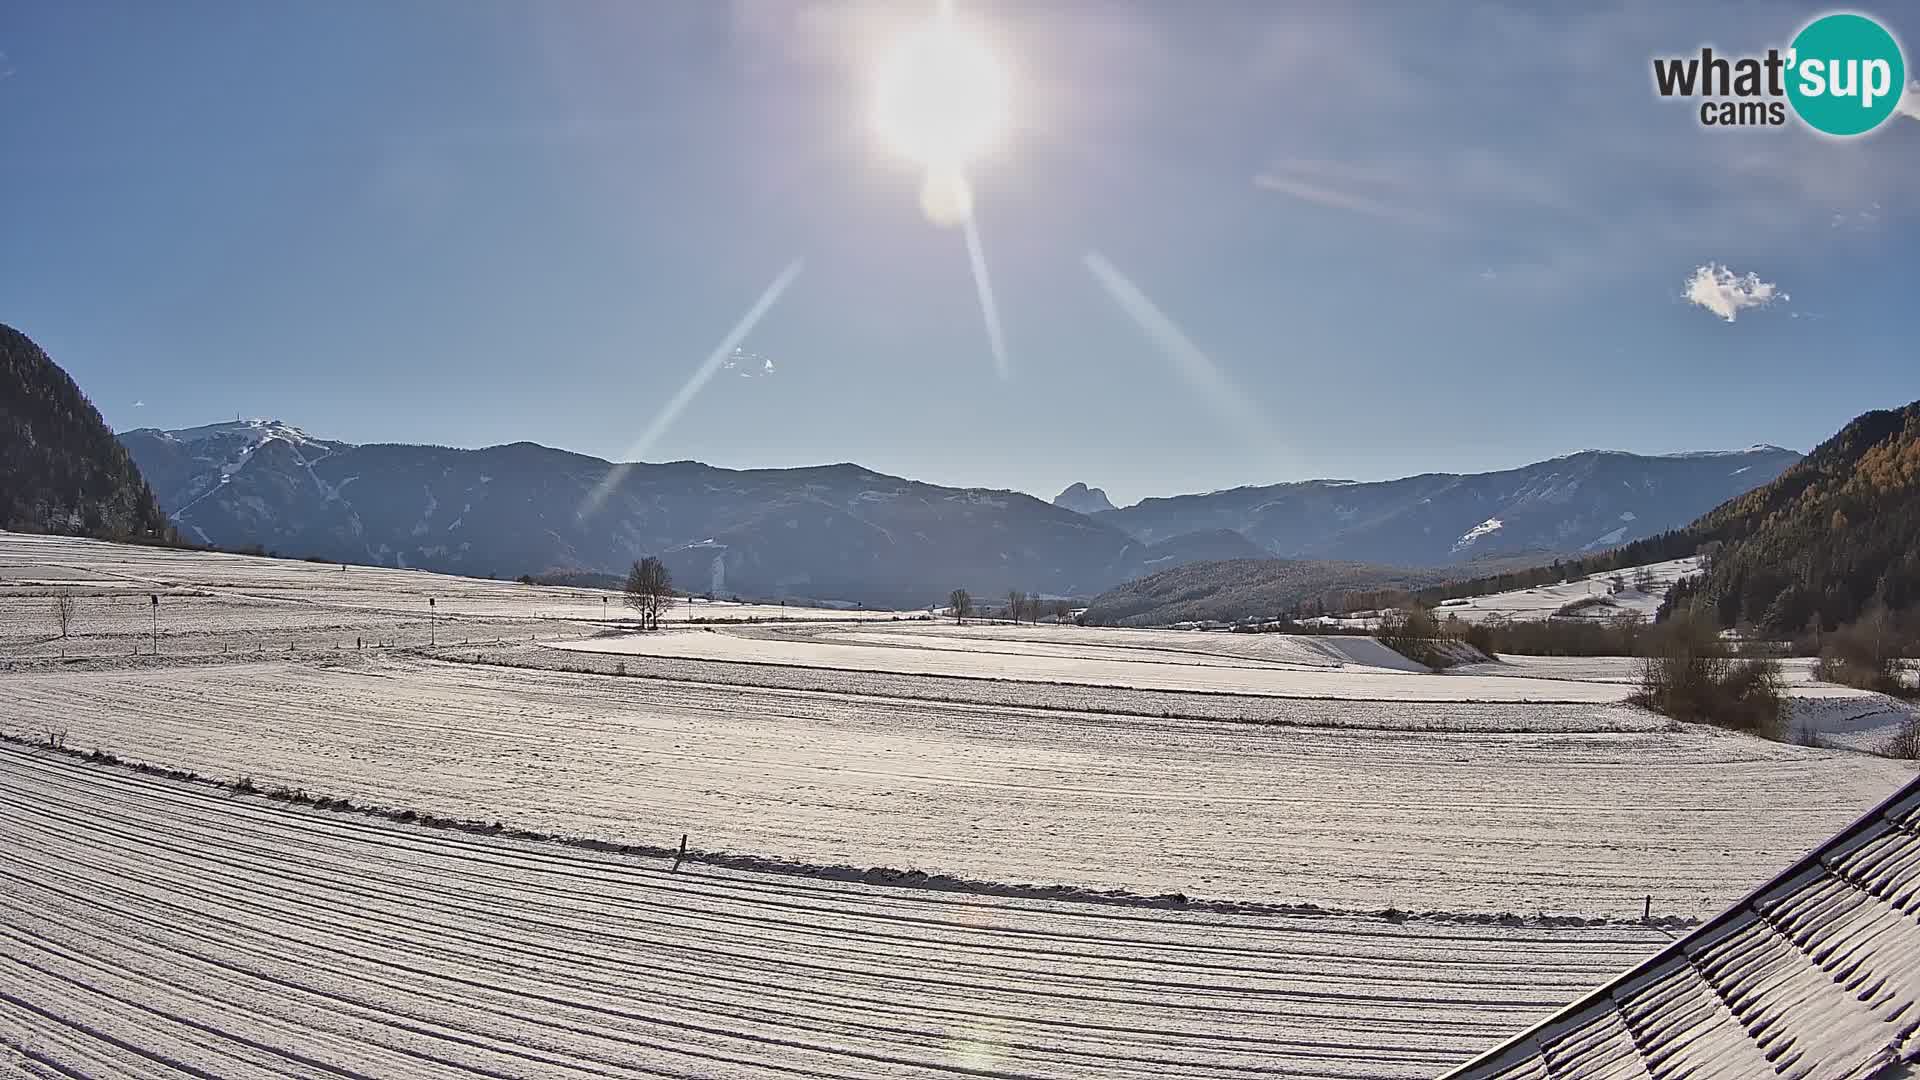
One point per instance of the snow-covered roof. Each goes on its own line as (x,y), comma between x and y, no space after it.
(1815,974)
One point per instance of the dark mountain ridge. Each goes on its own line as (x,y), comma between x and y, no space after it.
(1587,501)
(845,532)
(822,532)
(61,470)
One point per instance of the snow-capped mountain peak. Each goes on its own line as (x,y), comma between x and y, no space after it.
(255,431)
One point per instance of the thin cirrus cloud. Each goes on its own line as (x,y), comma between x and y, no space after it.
(1726,294)
(1357,191)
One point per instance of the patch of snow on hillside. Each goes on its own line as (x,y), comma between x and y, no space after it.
(1543,601)
(1485,528)
(1607,539)
(420,527)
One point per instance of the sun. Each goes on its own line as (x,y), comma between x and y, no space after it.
(941,97)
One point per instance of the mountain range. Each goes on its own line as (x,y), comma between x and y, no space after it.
(1582,502)
(847,533)
(838,532)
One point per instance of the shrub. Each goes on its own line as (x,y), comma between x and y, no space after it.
(1583,605)
(1484,636)
(1691,675)
(1905,743)
(1415,634)
(1865,654)
(1623,635)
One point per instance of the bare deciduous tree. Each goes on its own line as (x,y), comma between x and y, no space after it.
(649,591)
(1016,605)
(63,613)
(961,604)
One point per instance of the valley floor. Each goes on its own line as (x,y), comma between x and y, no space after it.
(1478,847)
(1562,821)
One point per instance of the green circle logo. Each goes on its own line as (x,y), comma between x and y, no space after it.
(1845,74)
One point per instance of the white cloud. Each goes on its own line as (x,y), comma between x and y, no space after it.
(1725,293)
(139,404)
(747,365)
(1910,101)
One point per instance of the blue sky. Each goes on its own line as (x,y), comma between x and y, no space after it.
(1405,239)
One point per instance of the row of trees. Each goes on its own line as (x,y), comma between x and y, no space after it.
(649,592)
(1020,607)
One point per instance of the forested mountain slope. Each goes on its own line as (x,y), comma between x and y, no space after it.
(61,469)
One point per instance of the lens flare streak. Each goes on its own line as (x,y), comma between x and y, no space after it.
(989,310)
(671,411)
(1194,366)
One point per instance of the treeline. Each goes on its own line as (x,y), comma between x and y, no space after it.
(1403,628)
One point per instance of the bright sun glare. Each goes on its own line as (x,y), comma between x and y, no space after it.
(941,101)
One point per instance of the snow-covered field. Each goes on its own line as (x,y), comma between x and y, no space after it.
(1600,597)
(1546,600)
(155,928)
(1357,669)
(1313,712)
(1823,713)
(1560,822)
(211,602)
